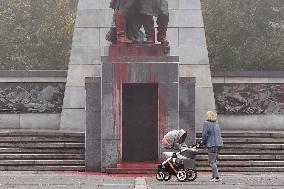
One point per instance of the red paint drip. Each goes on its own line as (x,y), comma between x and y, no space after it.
(116,91)
(116,105)
(162,117)
(120,76)
(152,76)
(123,69)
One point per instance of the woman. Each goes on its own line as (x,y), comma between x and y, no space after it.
(211,138)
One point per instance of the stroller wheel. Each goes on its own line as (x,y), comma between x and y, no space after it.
(181,175)
(167,176)
(191,174)
(160,175)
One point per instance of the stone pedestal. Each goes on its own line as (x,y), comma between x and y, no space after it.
(143,64)
(138,50)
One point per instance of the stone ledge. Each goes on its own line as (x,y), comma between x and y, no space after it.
(141,59)
(33,73)
(273,74)
(40,132)
(138,50)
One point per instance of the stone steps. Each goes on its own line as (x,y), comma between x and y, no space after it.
(42,168)
(244,157)
(230,140)
(5,139)
(42,150)
(249,163)
(248,134)
(244,169)
(243,151)
(42,162)
(252,151)
(42,156)
(254,146)
(45,145)
(39,133)
(33,150)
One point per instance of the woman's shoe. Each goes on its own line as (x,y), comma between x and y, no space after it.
(217,179)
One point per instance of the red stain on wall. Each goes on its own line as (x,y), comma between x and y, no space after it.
(123,71)
(162,116)
(152,78)
(121,75)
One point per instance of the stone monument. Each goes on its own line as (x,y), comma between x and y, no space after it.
(175,81)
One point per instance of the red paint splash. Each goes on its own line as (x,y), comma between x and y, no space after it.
(106,174)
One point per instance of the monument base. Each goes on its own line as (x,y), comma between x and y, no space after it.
(138,104)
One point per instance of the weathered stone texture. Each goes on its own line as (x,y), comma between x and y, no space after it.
(73,119)
(85,55)
(187,107)
(77,73)
(93,124)
(75,97)
(39,121)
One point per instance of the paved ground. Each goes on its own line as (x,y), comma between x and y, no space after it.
(52,180)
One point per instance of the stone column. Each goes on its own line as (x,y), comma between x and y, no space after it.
(93,124)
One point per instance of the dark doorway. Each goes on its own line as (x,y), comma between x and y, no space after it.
(139,122)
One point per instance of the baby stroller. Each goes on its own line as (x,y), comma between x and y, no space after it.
(180,164)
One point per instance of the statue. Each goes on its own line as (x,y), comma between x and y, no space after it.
(130,15)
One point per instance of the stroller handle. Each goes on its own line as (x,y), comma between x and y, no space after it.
(196,145)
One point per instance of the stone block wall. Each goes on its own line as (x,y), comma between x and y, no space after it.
(189,43)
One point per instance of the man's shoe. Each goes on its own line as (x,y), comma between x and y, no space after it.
(162,39)
(217,179)
(162,34)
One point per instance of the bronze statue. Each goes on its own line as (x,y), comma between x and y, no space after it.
(130,15)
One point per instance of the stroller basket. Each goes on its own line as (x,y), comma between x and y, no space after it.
(189,153)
